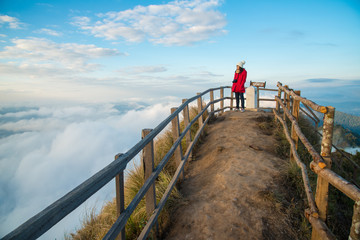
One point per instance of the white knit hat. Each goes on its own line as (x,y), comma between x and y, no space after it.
(241,64)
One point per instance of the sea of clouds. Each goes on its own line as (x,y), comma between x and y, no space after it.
(45,152)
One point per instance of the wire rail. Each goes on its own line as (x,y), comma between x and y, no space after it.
(43,221)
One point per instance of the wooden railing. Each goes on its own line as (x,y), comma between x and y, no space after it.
(356,168)
(321,164)
(43,221)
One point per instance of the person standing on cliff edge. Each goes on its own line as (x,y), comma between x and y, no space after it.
(238,86)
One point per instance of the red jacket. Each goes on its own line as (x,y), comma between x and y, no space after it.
(239,86)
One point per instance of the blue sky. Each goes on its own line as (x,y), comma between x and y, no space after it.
(80,79)
(53,51)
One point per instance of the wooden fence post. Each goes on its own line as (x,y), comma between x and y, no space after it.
(199,102)
(277,104)
(176,133)
(148,166)
(232,101)
(257,97)
(285,101)
(288,102)
(186,123)
(322,187)
(355,226)
(212,99)
(222,101)
(120,197)
(295,113)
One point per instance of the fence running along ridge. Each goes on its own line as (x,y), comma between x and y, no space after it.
(321,164)
(308,112)
(43,221)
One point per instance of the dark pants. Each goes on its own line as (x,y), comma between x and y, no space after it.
(237,96)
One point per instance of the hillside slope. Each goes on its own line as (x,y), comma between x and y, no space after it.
(229,187)
(344,138)
(348,121)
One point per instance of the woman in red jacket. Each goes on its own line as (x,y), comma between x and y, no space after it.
(238,86)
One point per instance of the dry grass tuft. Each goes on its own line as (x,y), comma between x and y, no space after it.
(95,226)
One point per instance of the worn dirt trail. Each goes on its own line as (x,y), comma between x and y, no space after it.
(228,184)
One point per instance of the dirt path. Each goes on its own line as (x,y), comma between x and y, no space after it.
(227,187)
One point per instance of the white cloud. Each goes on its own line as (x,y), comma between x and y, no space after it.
(143,69)
(53,84)
(38,55)
(174,23)
(49,32)
(42,164)
(32,69)
(12,22)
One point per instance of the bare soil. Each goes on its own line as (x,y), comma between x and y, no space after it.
(229,185)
